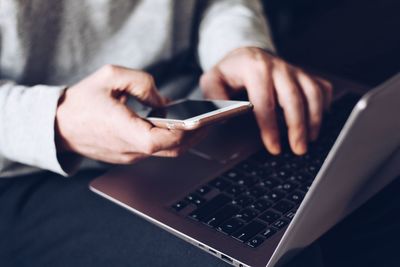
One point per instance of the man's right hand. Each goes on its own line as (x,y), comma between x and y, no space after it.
(93,120)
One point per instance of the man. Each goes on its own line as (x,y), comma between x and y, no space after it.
(67,68)
(58,43)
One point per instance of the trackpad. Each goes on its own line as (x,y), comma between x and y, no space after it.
(228,140)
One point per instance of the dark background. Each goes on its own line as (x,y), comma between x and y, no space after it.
(356,39)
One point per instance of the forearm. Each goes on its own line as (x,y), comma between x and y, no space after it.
(27,128)
(230,24)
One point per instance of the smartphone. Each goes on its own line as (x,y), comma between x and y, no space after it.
(188,114)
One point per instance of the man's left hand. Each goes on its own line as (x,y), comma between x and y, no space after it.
(270,81)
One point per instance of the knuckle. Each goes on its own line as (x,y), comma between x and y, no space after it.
(262,66)
(149,148)
(175,153)
(148,79)
(110,69)
(127,159)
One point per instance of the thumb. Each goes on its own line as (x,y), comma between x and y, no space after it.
(139,84)
(213,85)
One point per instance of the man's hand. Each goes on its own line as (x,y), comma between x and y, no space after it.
(92,119)
(270,82)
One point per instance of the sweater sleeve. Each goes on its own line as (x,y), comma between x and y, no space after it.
(27,120)
(230,24)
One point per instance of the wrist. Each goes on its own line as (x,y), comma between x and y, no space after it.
(62,145)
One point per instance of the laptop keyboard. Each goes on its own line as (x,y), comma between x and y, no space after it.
(260,195)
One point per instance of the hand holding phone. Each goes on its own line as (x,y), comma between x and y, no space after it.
(188,114)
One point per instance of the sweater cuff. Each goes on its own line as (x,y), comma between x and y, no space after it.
(28,116)
(228,25)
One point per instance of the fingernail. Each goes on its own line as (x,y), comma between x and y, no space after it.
(301,147)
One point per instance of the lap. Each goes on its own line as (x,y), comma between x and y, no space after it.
(47,220)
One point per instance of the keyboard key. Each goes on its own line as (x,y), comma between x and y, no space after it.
(267,233)
(230,226)
(256,241)
(290,214)
(283,206)
(288,186)
(279,224)
(250,180)
(222,215)
(196,199)
(261,205)
(249,231)
(258,191)
(312,169)
(275,195)
(299,177)
(180,205)
(203,190)
(305,187)
(271,182)
(296,197)
(247,214)
(210,207)
(235,190)
(233,175)
(220,184)
(270,216)
(243,201)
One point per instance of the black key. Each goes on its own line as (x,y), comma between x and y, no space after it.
(203,190)
(247,214)
(230,226)
(290,214)
(288,186)
(195,199)
(271,182)
(279,224)
(256,241)
(312,169)
(275,195)
(261,205)
(220,183)
(296,197)
(249,231)
(306,186)
(267,233)
(283,206)
(235,190)
(282,174)
(249,180)
(258,191)
(223,214)
(233,175)
(180,205)
(299,177)
(270,216)
(243,200)
(210,207)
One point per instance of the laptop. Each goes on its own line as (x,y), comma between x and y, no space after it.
(229,197)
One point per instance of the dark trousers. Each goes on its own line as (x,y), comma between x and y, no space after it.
(47,220)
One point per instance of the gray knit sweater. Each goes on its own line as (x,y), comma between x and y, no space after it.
(46,45)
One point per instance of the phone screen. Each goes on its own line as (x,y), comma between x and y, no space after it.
(184,110)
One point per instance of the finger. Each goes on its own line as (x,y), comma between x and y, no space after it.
(213,85)
(315,103)
(191,139)
(291,101)
(261,95)
(139,84)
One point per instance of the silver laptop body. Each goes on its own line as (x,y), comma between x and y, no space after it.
(364,158)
